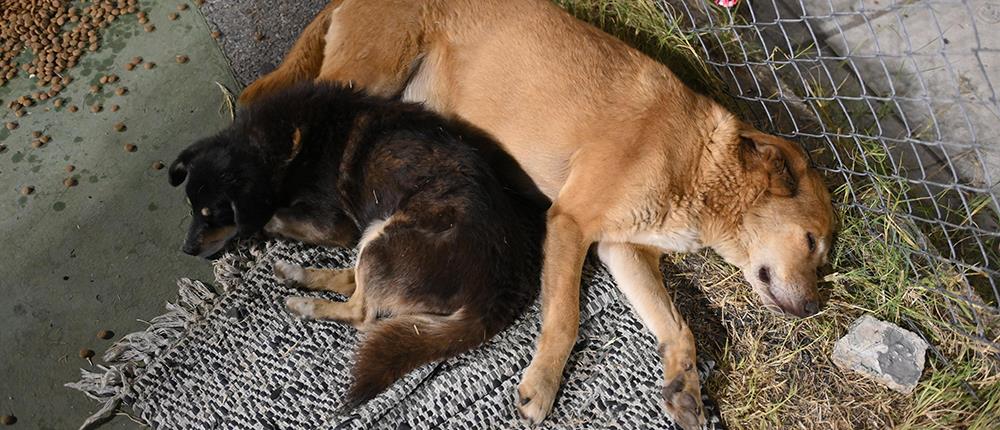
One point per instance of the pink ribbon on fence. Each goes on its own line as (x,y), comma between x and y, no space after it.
(727,3)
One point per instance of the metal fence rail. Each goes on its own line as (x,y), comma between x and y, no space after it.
(897,101)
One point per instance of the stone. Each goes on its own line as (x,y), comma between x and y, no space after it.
(882,351)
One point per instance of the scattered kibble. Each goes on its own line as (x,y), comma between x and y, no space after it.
(58,103)
(216,34)
(73,108)
(136,60)
(19,113)
(45,138)
(70,182)
(182,59)
(182,6)
(27,190)
(149,65)
(114,108)
(94,89)
(11,125)
(86,353)
(130,67)
(8,420)
(129,147)
(173,16)
(96,108)
(105,334)
(103,80)
(70,168)
(36,134)
(121,91)
(37,143)
(120,126)
(150,28)
(199,2)
(158,165)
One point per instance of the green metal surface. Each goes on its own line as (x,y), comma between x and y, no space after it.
(105,253)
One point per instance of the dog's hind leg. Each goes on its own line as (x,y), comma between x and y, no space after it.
(636,270)
(302,63)
(340,281)
(372,46)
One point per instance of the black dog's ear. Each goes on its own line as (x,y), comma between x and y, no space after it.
(178,171)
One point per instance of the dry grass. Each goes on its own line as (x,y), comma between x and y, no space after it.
(776,372)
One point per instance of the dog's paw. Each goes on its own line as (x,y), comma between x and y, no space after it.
(304,307)
(682,398)
(535,395)
(287,272)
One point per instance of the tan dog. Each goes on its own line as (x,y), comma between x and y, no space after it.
(631,158)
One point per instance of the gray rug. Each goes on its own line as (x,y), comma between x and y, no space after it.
(235,359)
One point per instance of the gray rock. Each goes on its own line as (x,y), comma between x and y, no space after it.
(882,351)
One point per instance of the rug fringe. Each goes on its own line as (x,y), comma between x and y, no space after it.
(125,360)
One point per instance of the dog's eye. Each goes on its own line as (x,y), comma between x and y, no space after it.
(812,242)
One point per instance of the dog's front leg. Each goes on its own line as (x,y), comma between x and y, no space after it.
(565,249)
(636,270)
(313,225)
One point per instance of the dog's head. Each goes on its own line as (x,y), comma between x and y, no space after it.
(784,232)
(228,189)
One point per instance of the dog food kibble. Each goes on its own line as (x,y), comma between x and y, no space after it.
(114,108)
(120,126)
(149,65)
(105,334)
(216,34)
(37,143)
(103,80)
(45,138)
(36,134)
(96,108)
(182,6)
(130,67)
(258,36)
(182,59)
(136,60)
(58,103)
(11,125)
(8,420)
(70,182)
(73,108)
(199,2)
(70,168)
(150,28)
(27,190)
(19,113)
(130,147)
(121,91)
(158,165)
(86,353)
(173,16)
(94,89)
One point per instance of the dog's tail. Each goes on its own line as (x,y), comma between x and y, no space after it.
(395,346)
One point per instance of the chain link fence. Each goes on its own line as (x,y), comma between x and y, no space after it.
(897,103)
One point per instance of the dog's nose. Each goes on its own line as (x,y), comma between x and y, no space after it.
(810,308)
(190,249)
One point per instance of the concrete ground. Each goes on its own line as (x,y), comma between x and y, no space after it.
(105,253)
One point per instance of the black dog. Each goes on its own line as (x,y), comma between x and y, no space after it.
(448,226)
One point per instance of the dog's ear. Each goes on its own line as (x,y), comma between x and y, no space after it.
(179,168)
(783,161)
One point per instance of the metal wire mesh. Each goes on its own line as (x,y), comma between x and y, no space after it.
(897,101)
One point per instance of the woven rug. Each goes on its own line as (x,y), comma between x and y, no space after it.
(236,359)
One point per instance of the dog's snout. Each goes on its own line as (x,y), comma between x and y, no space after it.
(810,308)
(764,274)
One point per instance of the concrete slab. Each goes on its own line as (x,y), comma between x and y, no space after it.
(106,252)
(256,34)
